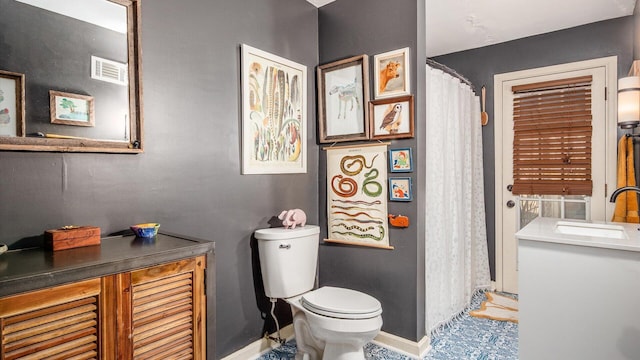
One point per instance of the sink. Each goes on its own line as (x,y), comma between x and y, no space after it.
(591,229)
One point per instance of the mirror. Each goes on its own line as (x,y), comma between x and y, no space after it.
(80,62)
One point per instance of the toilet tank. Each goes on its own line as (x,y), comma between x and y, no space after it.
(288,259)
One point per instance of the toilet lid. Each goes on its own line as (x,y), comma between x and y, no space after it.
(341,303)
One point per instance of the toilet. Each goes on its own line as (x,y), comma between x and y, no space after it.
(329,322)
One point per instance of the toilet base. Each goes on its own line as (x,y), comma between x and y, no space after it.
(343,352)
(319,337)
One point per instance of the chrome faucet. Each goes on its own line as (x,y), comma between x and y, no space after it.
(619,191)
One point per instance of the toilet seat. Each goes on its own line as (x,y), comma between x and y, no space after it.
(341,303)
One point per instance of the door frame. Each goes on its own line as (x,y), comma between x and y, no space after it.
(611,73)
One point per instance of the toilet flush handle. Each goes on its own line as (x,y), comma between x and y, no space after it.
(285,246)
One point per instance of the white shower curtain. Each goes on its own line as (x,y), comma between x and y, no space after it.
(457,262)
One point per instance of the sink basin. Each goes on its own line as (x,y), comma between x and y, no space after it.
(590,229)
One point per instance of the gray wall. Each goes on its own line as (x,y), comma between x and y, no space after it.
(605,38)
(22,26)
(188,179)
(396,277)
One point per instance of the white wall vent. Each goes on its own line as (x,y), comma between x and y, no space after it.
(110,71)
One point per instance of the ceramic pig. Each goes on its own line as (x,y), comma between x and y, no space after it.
(293,217)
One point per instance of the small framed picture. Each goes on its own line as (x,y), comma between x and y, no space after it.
(391,71)
(400,160)
(343,95)
(11,104)
(400,189)
(391,118)
(71,109)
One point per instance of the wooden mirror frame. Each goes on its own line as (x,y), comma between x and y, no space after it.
(134,146)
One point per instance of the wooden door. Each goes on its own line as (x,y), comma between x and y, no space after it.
(162,311)
(514,212)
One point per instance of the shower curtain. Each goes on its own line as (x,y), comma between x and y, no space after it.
(457,261)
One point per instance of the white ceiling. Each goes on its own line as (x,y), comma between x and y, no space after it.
(98,12)
(456,25)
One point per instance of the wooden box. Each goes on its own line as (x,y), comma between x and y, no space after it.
(60,239)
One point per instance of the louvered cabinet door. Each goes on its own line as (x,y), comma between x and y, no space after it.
(167,312)
(61,322)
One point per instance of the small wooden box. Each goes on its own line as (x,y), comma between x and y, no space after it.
(60,239)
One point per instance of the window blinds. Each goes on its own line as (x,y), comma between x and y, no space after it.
(552,137)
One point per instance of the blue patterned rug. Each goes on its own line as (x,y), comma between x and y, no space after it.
(466,338)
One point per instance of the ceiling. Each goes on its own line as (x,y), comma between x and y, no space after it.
(456,25)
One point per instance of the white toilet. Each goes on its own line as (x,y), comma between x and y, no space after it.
(329,322)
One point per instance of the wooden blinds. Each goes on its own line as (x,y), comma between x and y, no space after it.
(552,137)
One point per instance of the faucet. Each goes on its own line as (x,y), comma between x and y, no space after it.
(619,191)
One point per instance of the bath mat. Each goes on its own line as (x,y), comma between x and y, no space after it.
(497,307)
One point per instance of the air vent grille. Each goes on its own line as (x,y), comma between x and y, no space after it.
(109,71)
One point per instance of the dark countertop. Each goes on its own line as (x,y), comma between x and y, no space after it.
(36,268)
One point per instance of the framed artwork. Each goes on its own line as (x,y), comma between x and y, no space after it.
(343,93)
(400,160)
(71,109)
(11,104)
(400,189)
(357,195)
(274,114)
(391,118)
(391,71)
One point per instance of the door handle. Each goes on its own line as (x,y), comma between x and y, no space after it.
(511,203)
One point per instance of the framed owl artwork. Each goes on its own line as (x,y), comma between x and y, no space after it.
(391,118)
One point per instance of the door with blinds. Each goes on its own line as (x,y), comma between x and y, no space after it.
(553,156)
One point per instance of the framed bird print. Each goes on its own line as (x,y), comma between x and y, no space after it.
(391,118)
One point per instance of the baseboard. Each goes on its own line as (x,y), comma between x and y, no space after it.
(415,350)
(260,346)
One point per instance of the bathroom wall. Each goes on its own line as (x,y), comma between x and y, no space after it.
(601,39)
(395,277)
(188,179)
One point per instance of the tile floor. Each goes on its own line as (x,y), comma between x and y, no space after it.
(466,338)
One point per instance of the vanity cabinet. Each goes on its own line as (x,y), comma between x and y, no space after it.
(150,310)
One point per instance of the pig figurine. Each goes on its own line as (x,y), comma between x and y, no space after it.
(293,217)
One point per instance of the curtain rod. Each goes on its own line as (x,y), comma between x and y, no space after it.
(450,71)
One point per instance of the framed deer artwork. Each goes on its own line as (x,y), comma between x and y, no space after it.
(343,95)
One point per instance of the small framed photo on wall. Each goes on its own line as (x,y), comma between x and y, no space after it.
(11,104)
(71,109)
(400,189)
(391,74)
(400,160)
(391,118)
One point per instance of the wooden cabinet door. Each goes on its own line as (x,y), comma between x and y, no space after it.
(55,323)
(162,311)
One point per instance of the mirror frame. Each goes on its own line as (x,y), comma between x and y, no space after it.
(134,146)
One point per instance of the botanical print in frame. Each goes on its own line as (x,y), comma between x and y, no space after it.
(11,104)
(400,189)
(400,160)
(71,109)
(274,114)
(357,195)
(391,70)
(343,94)
(391,118)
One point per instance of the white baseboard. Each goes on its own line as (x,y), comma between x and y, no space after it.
(416,350)
(260,346)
